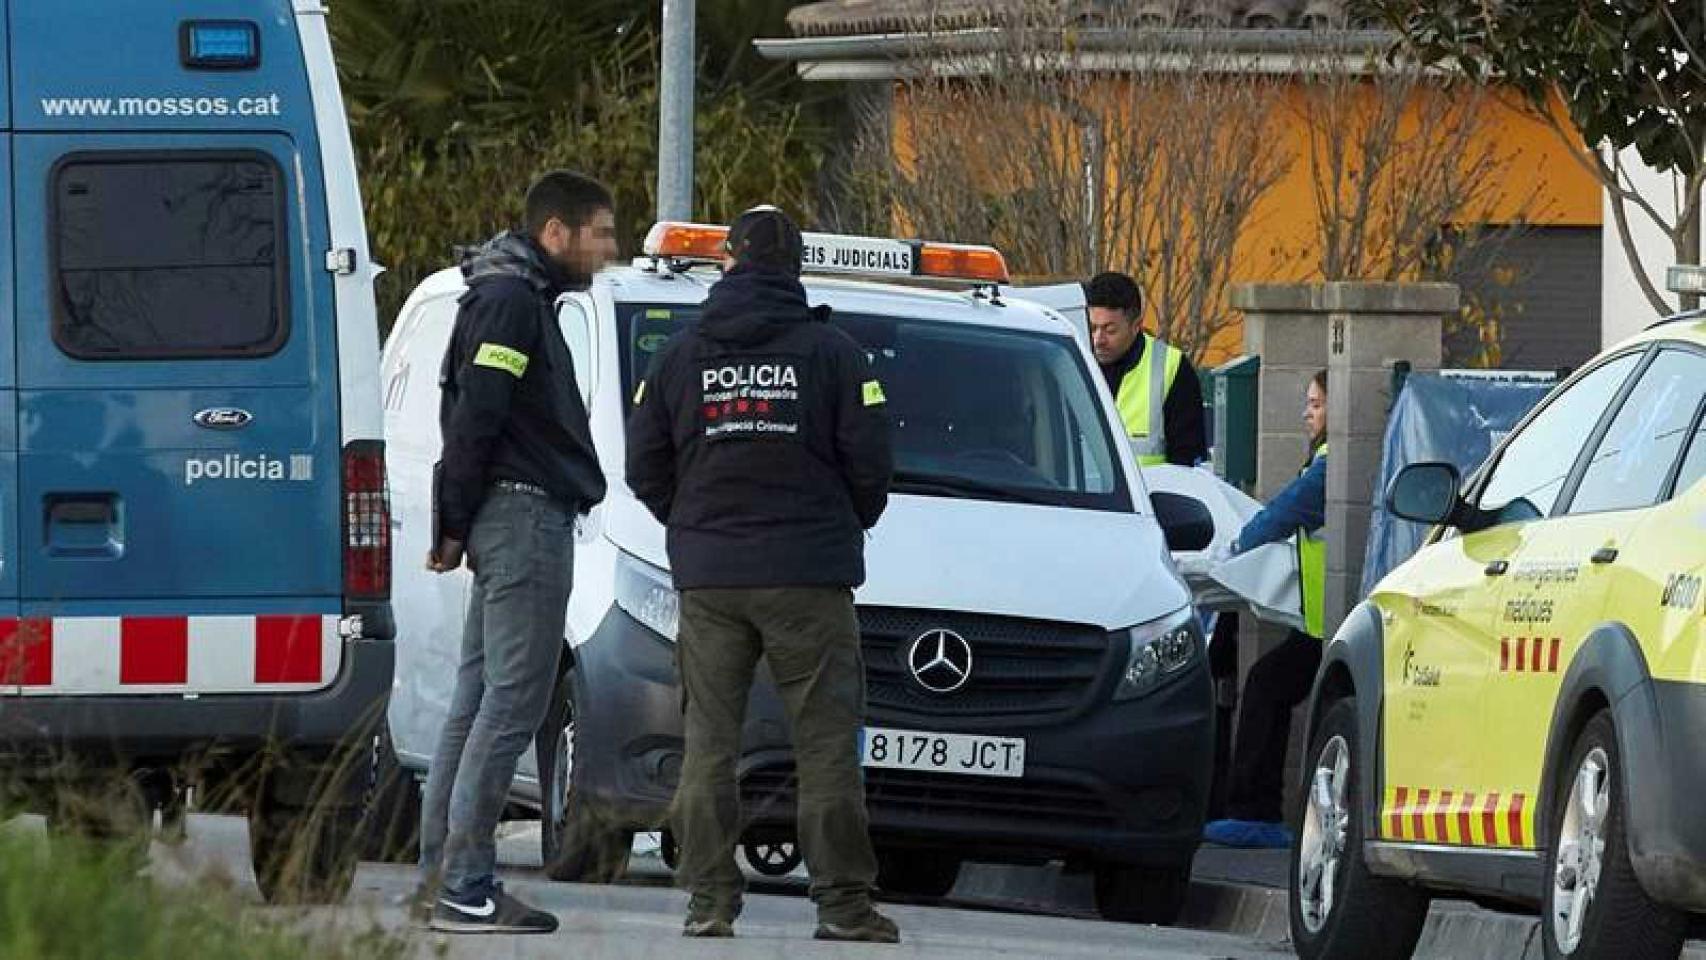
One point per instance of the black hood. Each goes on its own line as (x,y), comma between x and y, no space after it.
(513,254)
(753,303)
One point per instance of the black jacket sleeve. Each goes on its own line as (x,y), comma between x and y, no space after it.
(651,439)
(496,339)
(1187,433)
(862,443)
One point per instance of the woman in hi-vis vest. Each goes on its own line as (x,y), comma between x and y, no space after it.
(1281,679)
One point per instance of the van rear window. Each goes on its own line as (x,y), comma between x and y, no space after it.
(169,256)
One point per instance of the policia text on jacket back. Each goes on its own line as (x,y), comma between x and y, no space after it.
(1154,385)
(761,440)
(518,466)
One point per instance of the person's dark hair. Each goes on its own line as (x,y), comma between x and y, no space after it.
(1114,291)
(765,236)
(1320,380)
(571,197)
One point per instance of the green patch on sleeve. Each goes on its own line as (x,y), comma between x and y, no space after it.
(874,393)
(658,314)
(499,357)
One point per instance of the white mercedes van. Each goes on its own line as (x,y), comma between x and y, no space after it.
(1036,680)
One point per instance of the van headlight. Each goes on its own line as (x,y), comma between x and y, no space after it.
(1160,649)
(647,594)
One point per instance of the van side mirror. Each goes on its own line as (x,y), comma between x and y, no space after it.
(1185,521)
(1424,493)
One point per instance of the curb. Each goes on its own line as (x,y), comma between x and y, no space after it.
(1244,909)
(1040,889)
(1455,929)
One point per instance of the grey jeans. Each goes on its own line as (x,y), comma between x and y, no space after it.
(521,548)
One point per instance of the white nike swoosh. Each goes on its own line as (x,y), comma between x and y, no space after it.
(484,910)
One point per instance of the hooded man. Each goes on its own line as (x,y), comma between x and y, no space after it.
(760,438)
(518,467)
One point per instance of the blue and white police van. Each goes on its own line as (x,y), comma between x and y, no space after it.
(194,536)
(1036,680)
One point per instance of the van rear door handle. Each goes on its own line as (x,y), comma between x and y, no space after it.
(1498,567)
(1604,555)
(84,525)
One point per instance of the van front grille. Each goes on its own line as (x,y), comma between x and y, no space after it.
(1034,670)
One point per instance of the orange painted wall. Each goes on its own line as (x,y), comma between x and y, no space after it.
(1280,242)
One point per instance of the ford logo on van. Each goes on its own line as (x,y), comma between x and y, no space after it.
(223,418)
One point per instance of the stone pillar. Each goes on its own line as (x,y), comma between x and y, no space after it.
(1282,326)
(1370,327)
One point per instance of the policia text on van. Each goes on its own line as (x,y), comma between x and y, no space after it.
(191,372)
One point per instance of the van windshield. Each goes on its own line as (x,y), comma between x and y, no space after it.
(979,413)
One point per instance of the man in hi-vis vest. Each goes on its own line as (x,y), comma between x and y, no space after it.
(1154,385)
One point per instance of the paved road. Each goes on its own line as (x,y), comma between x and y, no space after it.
(641,919)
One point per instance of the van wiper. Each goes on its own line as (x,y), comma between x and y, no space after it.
(934,484)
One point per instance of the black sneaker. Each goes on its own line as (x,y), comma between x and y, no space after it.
(872,928)
(709,927)
(497,912)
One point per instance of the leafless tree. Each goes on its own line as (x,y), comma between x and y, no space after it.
(1410,183)
(1154,155)
(1151,160)
(1396,155)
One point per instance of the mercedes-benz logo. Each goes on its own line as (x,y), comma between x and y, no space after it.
(940,661)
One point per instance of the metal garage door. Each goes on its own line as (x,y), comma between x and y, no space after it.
(1547,282)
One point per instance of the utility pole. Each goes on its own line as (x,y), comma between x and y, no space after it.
(675,114)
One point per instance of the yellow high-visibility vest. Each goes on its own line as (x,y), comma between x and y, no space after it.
(1141,397)
(1312,571)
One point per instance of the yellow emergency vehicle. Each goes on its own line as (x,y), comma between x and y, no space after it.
(1518,712)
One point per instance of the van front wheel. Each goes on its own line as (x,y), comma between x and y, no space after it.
(580,842)
(1142,894)
(391,815)
(917,873)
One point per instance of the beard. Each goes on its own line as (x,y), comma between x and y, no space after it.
(570,274)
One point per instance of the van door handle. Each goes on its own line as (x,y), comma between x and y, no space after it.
(84,525)
(1497,568)
(1604,555)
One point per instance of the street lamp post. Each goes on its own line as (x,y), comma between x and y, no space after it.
(675,115)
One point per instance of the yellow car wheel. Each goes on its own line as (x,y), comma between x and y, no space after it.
(1340,911)
(1595,906)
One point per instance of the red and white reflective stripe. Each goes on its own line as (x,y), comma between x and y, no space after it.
(131,655)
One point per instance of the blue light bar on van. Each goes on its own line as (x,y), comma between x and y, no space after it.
(220,44)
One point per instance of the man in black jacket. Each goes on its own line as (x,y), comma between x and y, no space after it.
(518,467)
(761,439)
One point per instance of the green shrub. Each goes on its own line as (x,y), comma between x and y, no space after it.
(456,105)
(67,901)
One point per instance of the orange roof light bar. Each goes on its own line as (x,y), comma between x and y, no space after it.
(837,253)
(958,261)
(686,241)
